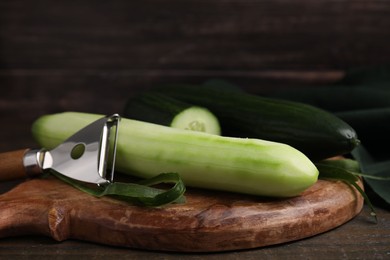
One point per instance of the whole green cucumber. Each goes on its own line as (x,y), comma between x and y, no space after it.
(313,131)
(335,98)
(202,160)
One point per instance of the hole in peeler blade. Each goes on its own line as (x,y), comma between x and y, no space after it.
(77,151)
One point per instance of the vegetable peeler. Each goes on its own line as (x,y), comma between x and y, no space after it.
(87,156)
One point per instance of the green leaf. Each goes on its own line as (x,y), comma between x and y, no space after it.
(346,170)
(376,173)
(374,76)
(139,193)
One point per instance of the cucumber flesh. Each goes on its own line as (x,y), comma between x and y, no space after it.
(197,119)
(161,109)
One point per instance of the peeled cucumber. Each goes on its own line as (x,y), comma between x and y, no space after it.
(242,165)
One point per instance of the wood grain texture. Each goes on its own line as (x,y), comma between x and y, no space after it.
(205,35)
(208,222)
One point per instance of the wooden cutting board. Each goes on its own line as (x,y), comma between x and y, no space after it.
(209,220)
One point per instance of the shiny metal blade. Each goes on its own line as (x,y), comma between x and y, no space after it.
(85,155)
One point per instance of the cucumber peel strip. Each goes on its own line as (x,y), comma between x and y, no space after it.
(140,193)
(345,170)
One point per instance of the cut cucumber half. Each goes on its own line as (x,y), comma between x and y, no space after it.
(161,109)
(197,119)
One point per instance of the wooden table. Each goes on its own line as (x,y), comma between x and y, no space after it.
(357,239)
(91,56)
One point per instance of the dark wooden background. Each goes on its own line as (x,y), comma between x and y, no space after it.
(92,55)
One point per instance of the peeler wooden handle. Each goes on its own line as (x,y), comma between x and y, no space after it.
(12,165)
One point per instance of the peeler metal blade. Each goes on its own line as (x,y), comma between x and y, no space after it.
(87,156)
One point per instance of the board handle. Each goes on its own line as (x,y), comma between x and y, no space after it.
(12,165)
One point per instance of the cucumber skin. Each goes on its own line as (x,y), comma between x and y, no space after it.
(336,98)
(154,108)
(203,160)
(314,131)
